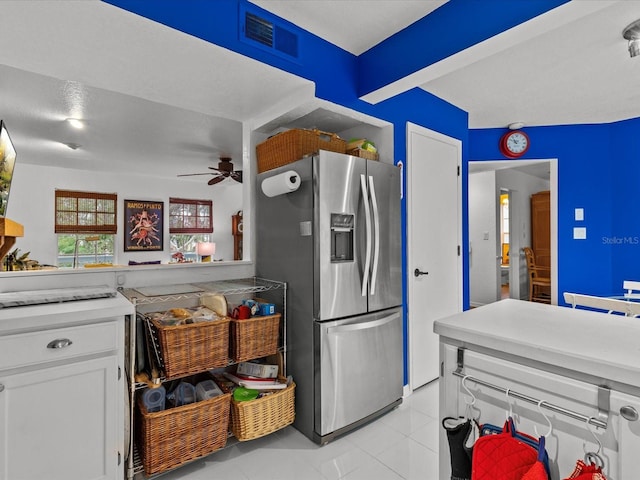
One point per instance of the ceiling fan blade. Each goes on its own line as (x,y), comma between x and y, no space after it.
(215,180)
(237,175)
(192,174)
(216,169)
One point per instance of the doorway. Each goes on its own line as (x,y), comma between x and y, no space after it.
(488,180)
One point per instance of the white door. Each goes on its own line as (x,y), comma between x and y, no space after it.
(434,261)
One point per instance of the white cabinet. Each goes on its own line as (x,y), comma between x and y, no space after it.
(62,390)
(582,365)
(62,422)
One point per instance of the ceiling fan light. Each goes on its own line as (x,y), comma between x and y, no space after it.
(75,123)
(634,47)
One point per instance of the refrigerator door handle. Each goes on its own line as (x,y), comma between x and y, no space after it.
(376,236)
(362,325)
(367,218)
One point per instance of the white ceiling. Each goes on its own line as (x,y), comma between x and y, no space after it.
(568,66)
(173,102)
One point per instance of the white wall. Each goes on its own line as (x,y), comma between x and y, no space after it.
(482,238)
(31,203)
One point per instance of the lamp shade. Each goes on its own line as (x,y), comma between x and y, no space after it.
(206,248)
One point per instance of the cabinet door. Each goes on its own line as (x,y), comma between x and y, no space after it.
(62,422)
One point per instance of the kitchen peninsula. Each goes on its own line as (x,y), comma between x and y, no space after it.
(579,368)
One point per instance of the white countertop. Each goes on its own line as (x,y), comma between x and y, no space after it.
(53,315)
(597,344)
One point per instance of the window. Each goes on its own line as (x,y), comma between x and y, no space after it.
(190,222)
(86,226)
(86,212)
(190,216)
(79,250)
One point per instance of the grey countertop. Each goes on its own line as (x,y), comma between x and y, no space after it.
(601,346)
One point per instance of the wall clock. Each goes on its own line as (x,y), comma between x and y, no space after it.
(514,144)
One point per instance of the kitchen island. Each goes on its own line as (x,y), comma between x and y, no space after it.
(583,366)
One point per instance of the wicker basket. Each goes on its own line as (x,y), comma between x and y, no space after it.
(254,337)
(193,348)
(292,145)
(257,418)
(174,436)
(359,152)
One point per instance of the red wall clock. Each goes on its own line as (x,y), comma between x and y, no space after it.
(514,144)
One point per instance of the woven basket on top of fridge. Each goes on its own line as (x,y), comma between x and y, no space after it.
(292,145)
(177,435)
(256,418)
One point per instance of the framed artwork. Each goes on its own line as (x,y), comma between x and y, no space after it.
(143,225)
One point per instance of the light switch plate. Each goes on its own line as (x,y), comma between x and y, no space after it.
(579,233)
(579,215)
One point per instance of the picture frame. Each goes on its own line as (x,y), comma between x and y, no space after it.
(144,225)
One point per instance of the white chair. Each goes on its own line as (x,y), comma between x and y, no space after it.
(610,305)
(630,286)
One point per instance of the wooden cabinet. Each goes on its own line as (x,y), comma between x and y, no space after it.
(62,389)
(541,228)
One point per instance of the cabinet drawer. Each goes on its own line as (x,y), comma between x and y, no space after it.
(58,344)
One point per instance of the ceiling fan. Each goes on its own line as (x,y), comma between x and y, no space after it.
(224,170)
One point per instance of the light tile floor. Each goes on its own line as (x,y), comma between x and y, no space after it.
(403,444)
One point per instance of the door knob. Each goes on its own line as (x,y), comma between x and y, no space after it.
(417,272)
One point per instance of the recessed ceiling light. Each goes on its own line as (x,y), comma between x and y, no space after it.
(75,122)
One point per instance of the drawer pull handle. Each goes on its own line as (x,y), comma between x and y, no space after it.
(59,343)
(629,413)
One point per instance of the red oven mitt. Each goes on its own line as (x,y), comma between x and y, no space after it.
(586,472)
(502,457)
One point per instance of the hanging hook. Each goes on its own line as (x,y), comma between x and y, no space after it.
(469,409)
(535,429)
(466,389)
(509,413)
(593,457)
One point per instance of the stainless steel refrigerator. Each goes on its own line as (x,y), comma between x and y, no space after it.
(336,241)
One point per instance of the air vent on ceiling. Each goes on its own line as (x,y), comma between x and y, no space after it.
(268,34)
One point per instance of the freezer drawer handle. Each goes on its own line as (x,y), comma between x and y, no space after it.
(59,343)
(417,272)
(629,413)
(361,326)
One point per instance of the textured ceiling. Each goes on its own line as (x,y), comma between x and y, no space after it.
(143,97)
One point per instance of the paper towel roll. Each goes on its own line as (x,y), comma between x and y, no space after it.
(285,182)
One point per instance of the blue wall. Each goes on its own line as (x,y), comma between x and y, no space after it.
(598,170)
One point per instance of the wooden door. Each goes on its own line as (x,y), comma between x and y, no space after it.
(541,227)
